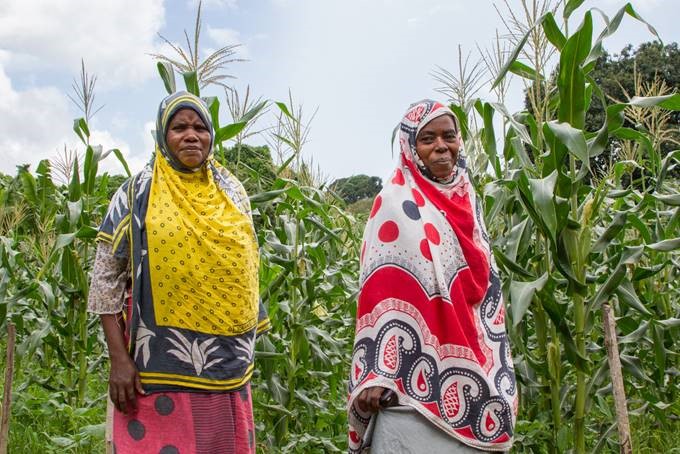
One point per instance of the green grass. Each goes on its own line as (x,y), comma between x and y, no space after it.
(42,421)
(651,437)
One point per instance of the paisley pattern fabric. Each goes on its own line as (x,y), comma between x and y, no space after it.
(194,315)
(430,317)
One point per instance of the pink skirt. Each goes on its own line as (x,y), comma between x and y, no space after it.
(187,423)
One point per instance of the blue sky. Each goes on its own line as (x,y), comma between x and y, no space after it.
(360,62)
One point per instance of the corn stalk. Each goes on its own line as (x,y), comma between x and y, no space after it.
(570,240)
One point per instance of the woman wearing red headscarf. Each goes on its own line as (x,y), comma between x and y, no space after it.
(431,368)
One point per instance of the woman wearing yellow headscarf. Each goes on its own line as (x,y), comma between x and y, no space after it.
(175,282)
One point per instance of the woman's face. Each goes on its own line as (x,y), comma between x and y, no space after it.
(437,145)
(188,138)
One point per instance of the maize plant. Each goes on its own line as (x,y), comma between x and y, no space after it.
(569,239)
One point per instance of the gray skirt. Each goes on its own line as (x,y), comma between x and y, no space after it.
(402,430)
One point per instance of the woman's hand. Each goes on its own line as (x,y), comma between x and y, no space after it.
(124,381)
(369,399)
(124,384)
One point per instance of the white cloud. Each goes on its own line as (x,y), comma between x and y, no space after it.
(227,37)
(214,3)
(34,124)
(224,36)
(114,37)
(111,164)
(119,121)
(148,137)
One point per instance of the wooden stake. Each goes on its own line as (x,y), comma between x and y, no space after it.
(7,392)
(109,424)
(612,345)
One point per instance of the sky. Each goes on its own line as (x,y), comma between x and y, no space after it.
(357,63)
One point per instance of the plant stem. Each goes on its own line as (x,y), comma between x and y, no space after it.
(554,359)
(7,391)
(579,328)
(82,360)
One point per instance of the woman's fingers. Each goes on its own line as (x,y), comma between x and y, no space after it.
(124,384)
(113,394)
(361,400)
(131,397)
(374,398)
(120,401)
(369,399)
(138,385)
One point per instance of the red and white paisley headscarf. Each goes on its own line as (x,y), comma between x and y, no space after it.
(430,318)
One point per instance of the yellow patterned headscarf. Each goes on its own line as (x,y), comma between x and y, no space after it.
(194,312)
(203,256)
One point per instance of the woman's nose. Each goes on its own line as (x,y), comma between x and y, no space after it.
(440,144)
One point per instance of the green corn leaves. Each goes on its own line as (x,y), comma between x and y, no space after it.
(521,294)
(167,74)
(570,240)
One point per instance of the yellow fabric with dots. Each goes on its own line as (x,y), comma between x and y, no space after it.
(203,256)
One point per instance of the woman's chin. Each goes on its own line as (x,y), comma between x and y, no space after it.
(442,173)
(191,162)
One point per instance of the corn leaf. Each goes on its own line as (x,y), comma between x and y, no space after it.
(521,294)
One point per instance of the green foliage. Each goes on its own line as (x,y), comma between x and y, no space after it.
(112,183)
(43,420)
(566,241)
(357,187)
(252,165)
(649,438)
(361,208)
(569,240)
(615,75)
(651,68)
(308,281)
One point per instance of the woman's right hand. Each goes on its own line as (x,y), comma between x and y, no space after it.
(368,400)
(124,381)
(124,384)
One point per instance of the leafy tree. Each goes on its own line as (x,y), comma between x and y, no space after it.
(650,70)
(361,209)
(113,182)
(357,187)
(252,165)
(616,75)
(574,243)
